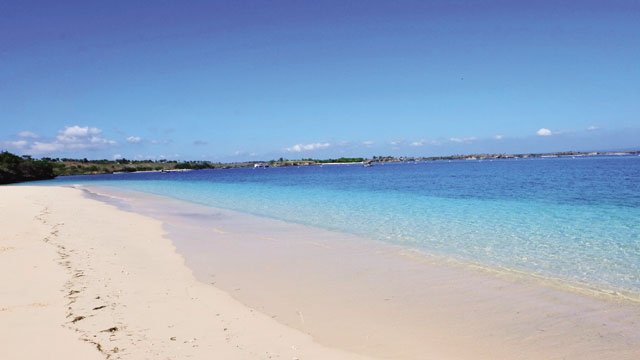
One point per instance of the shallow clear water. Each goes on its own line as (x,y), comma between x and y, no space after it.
(573,219)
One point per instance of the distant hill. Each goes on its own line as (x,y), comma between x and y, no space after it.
(14,169)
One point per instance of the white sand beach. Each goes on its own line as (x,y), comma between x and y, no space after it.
(83,279)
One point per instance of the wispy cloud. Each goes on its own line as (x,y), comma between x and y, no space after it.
(45,147)
(134,139)
(308,147)
(368,143)
(200,143)
(462,140)
(418,143)
(161,142)
(17,144)
(498,137)
(28,134)
(244,153)
(592,128)
(544,132)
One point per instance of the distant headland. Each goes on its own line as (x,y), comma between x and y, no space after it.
(14,168)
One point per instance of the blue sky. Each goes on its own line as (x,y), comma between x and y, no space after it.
(243,80)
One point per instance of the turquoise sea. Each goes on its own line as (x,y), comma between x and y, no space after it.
(573,219)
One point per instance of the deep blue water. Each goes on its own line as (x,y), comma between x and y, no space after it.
(573,219)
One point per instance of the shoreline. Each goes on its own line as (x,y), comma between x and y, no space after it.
(230,228)
(132,279)
(85,280)
(583,288)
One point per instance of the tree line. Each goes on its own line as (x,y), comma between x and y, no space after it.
(15,168)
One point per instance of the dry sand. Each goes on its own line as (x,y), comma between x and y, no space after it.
(84,280)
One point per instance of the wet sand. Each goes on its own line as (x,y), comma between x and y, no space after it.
(385,301)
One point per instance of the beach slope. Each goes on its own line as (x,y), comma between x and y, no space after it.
(84,280)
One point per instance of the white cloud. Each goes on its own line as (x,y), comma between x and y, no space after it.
(18,144)
(154,157)
(161,142)
(396,144)
(308,147)
(27,134)
(117,156)
(368,143)
(70,138)
(544,132)
(134,139)
(200,143)
(462,140)
(245,153)
(498,137)
(418,143)
(77,137)
(43,147)
(592,128)
(75,131)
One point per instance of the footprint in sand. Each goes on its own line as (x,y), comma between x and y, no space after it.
(216,230)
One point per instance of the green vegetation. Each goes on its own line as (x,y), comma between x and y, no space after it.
(342,160)
(14,169)
(66,166)
(83,166)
